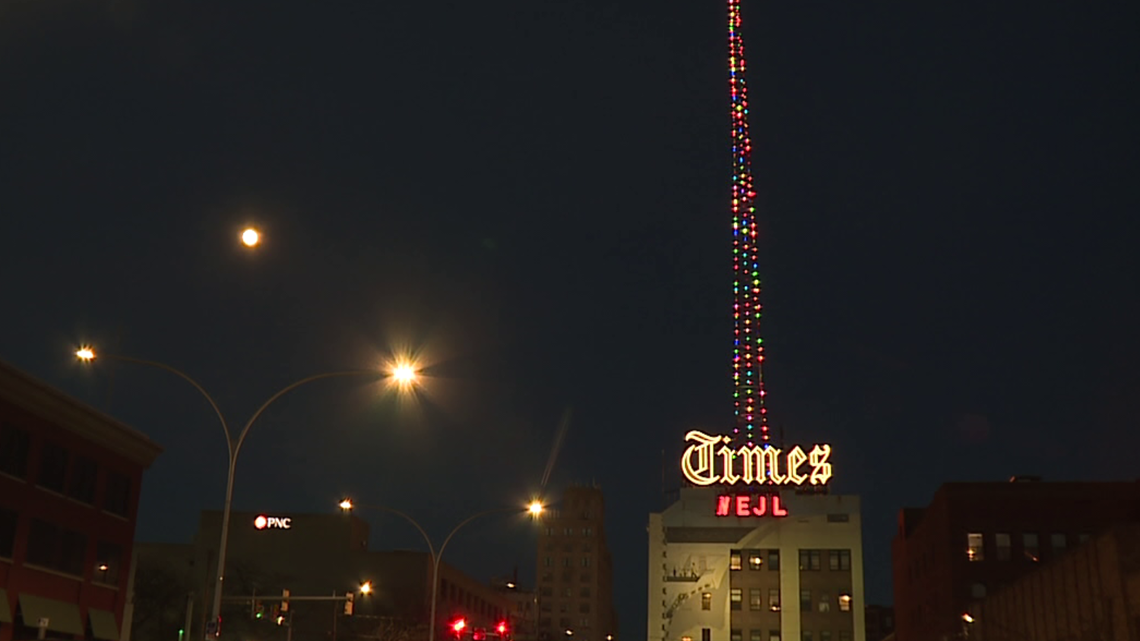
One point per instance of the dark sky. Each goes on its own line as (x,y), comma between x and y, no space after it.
(533,195)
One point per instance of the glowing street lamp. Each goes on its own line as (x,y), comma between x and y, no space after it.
(535,508)
(967,618)
(87,354)
(250,237)
(404,373)
(346,504)
(366,587)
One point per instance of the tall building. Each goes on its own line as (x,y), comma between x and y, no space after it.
(69,492)
(1090,592)
(879,621)
(976,537)
(575,570)
(719,576)
(310,555)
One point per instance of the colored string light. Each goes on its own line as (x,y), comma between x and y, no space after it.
(748,346)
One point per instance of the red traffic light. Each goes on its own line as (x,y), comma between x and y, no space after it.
(458,625)
(502,627)
(479,634)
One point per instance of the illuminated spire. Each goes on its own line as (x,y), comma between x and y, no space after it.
(748,347)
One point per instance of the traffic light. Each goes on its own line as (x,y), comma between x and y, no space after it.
(348,603)
(501,628)
(478,634)
(284,601)
(458,625)
(258,609)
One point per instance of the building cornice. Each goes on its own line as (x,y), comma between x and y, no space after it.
(50,404)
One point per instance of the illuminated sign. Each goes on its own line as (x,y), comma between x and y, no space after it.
(747,505)
(755,464)
(263,522)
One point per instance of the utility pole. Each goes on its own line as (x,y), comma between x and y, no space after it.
(335,605)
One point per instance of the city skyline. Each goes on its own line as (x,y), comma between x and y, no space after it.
(947,277)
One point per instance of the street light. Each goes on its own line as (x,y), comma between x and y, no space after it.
(366,587)
(534,508)
(250,237)
(967,618)
(87,353)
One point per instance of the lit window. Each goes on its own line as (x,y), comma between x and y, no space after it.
(844,602)
(735,597)
(975,548)
(755,561)
(773,635)
(774,599)
(1002,545)
(706,601)
(686,638)
(734,560)
(735,635)
(756,635)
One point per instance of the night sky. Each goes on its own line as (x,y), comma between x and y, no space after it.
(533,197)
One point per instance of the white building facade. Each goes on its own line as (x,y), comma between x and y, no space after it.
(729,564)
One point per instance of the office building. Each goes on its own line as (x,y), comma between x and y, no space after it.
(976,537)
(69,491)
(575,570)
(723,568)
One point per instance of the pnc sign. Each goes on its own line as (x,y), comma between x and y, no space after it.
(263,522)
(704,463)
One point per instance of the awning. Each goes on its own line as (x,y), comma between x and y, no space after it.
(103,624)
(61,616)
(5,611)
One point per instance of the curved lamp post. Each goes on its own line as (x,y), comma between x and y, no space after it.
(535,508)
(404,374)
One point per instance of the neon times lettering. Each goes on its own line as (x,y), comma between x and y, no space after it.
(704,463)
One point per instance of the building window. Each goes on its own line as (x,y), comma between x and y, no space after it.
(8,521)
(825,635)
(975,547)
(1030,546)
(108,563)
(774,599)
(755,561)
(14,445)
(735,635)
(81,486)
(706,634)
(547,562)
(1058,542)
(805,600)
(734,560)
(587,531)
(824,602)
(1002,546)
(686,638)
(805,635)
(706,601)
(53,467)
(584,593)
(977,590)
(774,560)
(844,602)
(117,495)
(549,531)
(756,635)
(773,635)
(755,599)
(546,591)
(56,549)
(735,596)
(568,531)
(839,560)
(585,578)
(809,560)
(585,561)
(844,635)
(567,592)
(1081,538)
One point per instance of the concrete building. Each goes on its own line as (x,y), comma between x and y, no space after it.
(310,555)
(575,570)
(1088,593)
(69,491)
(794,573)
(975,537)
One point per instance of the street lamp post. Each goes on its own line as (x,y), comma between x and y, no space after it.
(405,374)
(535,508)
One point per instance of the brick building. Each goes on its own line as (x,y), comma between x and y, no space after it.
(575,570)
(1089,593)
(975,537)
(878,621)
(69,491)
